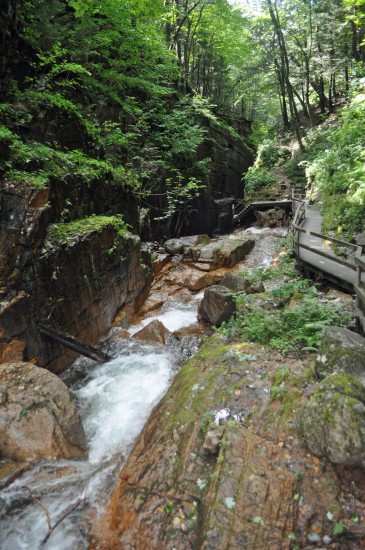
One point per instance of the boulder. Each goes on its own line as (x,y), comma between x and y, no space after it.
(191,242)
(194,279)
(38,417)
(173,246)
(222,252)
(237,283)
(333,421)
(341,350)
(155,331)
(234,250)
(270,218)
(218,305)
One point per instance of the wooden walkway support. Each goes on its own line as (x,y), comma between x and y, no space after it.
(242,210)
(73,343)
(313,250)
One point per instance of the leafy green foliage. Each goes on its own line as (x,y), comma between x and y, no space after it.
(68,232)
(256,180)
(297,326)
(269,154)
(338,173)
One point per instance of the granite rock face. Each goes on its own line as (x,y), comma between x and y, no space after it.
(263,489)
(342,351)
(333,421)
(38,417)
(76,288)
(217,305)
(230,158)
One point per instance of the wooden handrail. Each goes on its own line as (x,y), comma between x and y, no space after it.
(358,263)
(327,238)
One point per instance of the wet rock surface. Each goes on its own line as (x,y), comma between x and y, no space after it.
(155,331)
(255,485)
(333,421)
(218,305)
(75,287)
(342,350)
(38,417)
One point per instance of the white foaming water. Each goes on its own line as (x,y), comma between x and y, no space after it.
(173,319)
(114,403)
(122,393)
(114,400)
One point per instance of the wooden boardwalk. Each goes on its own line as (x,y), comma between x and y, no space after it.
(316,251)
(313,250)
(314,257)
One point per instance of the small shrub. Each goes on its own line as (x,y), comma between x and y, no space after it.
(255,180)
(295,327)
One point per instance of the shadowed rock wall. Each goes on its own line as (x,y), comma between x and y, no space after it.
(76,288)
(231,158)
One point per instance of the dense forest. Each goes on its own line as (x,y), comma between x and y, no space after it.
(182,201)
(122,93)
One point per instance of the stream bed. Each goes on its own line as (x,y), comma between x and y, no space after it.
(114,400)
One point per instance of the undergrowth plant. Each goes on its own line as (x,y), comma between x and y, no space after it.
(297,326)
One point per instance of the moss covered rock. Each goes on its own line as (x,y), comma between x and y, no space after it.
(341,350)
(333,420)
(218,305)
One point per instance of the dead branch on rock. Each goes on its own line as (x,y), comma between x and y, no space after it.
(48,515)
(67,513)
(38,502)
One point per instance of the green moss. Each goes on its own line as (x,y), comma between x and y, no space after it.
(68,231)
(194,391)
(281,374)
(37,179)
(344,384)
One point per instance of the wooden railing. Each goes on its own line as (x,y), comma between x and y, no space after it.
(358,264)
(359,285)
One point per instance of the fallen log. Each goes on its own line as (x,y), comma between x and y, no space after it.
(73,343)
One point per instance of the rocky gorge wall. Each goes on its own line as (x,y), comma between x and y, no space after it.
(230,157)
(76,287)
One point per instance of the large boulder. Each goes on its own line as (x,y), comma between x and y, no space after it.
(218,305)
(222,252)
(194,279)
(270,218)
(234,250)
(333,421)
(38,417)
(341,350)
(173,246)
(237,283)
(155,331)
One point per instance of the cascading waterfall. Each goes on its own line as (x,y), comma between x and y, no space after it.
(115,400)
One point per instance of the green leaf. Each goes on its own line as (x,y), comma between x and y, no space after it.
(339,528)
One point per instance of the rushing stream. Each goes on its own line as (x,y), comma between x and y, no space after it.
(114,400)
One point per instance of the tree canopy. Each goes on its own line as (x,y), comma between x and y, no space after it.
(138,75)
